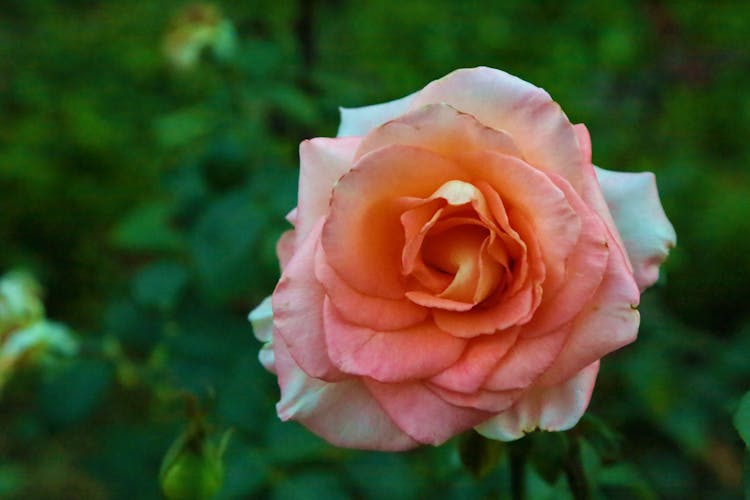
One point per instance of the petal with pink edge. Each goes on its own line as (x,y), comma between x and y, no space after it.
(322,163)
(526,361)
(344,413)
(285,247)
(490,401)
(608,322)
(364,224)
(412,353)
(584,271)
(421,413)
(556,408)
(441,129)
(648,235)
(298,311)
(527,113)
(480,357)
(373,312)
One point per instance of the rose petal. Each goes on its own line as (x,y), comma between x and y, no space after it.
(648,235)
(539,128)
(584,142)
(322,163)
(489,401)
(480,357)
(417,221)
(298,311)
(525,189)
(495,316)
(608,322)
(458,251)
(291,217)
(411,353)
(285,247)
(584,271)
(557,408)
(267,357)
(262,320)
(421,413)
(359,121)
(526,361)
(441,129)
(364,223)
(373,312)
(542,216)
(343,413)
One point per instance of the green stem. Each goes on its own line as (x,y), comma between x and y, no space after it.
(517,472)
(579,486)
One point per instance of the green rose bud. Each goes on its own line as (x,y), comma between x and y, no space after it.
(193,469)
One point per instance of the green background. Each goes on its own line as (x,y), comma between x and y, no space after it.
(147,201)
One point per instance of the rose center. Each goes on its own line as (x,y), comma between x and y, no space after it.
(453,251)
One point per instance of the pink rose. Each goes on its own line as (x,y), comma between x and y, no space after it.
(456,261)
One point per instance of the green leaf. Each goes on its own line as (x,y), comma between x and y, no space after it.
(74,393)
(368,469)
(11,480)
(625,479)
(160,284)
(185,126)
(742,419)
(246,471)
(223,244)
(147,228)
(310,485)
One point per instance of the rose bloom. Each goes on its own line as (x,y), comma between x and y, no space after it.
(456,261)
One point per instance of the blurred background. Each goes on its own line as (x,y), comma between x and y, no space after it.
(148,154)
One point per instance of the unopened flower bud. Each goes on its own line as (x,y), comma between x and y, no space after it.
(193,468)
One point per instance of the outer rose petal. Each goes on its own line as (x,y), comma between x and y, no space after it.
(298,311)
(648,235)
(441,129)
(343,413)
(556,408)
(420,413)
(322,162)
(536,123)
(584,271)
(285,247)
(608,322)
(359,121)
(262,320)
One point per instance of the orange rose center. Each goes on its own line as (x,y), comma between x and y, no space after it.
(454,251)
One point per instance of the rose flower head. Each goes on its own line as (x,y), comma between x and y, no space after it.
(456,262)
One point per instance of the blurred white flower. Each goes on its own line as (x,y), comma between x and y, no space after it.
(194,29)
(26,337)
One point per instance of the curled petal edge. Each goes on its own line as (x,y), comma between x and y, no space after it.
(556,408)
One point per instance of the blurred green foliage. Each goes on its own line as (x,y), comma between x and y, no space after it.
(147,194)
